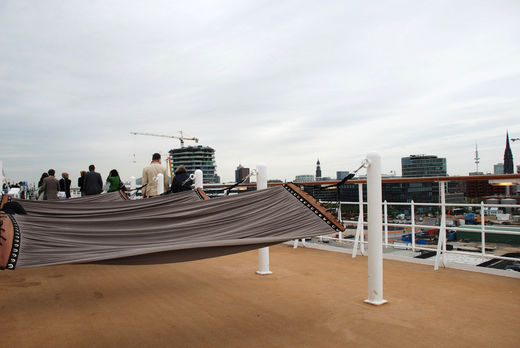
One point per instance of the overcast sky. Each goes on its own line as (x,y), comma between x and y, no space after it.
(279,82)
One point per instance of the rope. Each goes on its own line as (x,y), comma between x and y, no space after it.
(253,172)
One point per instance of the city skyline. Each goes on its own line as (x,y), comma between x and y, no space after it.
(281,83)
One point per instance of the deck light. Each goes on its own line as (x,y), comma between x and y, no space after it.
(504,182)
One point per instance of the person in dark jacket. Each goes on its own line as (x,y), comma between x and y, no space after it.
(181,180)
(80,181)
(65,184)
(92,182)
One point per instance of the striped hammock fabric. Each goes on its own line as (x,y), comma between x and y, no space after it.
(171,228)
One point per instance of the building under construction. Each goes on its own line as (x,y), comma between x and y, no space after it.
(193,158)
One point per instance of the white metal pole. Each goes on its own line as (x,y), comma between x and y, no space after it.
(160,183)
(442,185)
(483,227)
(441,244)
(340,219)
(263,253)
(386,222)
(375,232)
(359,237)
(362,219)
(413,224)
(198,182)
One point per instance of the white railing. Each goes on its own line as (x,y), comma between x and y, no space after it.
(441,248)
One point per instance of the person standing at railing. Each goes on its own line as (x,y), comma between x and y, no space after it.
(80,181)
(150,177)
(65,184)
(50,186)
(92,182)
(114,181)
(181,181)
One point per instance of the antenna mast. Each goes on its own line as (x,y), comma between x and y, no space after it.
(477,159)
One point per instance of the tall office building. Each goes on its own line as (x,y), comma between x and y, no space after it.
(423,165)
(498,168)
(196,157)
(318,170)
(241,173)
(420,166)
(508,158)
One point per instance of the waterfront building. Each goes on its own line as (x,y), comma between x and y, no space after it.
(478,189)
(498,168)
(193,158)
(423,165)
(304,178)
(241,173)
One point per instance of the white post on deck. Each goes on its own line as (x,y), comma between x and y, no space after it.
(160,183)
(483,227)
(263,253)
(198,182)
(412,216)
(386,222)
(441,244)
(375,231)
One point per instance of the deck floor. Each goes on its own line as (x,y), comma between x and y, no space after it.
(313,298)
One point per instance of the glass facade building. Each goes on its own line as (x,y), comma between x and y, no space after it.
(422,165)
(193,158)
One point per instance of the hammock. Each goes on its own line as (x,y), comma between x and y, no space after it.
(144,232)
(83,208)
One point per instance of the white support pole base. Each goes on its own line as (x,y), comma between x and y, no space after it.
(263,261)
(376,302)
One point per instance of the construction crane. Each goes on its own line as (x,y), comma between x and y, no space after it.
(181,138)
(515,139)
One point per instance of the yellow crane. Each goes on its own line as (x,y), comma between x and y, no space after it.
(181,138)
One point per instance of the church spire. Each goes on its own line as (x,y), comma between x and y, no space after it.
(318,169)
(508,157)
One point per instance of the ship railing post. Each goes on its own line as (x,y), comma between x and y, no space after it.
(359,238)
(160,183)
(483,227)
(441,244)
(412,211)
(385,205)
(375,232)
(340,233)
(263,253)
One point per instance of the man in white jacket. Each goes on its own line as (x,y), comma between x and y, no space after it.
(150,177)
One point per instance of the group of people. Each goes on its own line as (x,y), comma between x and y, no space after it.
(181,180)
(91,183)
(49,186)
